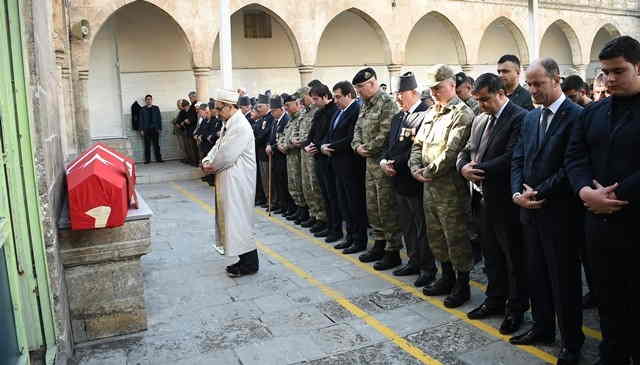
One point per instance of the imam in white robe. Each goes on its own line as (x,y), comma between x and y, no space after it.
(233,160)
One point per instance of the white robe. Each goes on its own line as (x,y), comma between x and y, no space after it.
(233,159)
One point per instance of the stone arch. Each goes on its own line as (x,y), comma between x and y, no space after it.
(451,29)
(293,40)
(575,49)
(111,7)
(519,46)
(602,35)
(375,26)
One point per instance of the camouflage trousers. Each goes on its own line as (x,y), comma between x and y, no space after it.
(382,210)
(445,202)
(311,188)
(294,174)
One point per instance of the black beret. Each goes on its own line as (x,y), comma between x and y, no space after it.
(364,75)
(276,102)
(287,98)
(314,83)
(461,77)
(263,99)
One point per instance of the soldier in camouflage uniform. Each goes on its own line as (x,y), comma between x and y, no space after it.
(310,186)
(370,140)
(294,168)
(444,133)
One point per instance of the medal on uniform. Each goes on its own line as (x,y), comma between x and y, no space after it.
(401,135)
(264,124)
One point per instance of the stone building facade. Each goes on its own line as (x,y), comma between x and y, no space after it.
(88,60)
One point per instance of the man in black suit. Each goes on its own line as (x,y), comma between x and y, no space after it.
(348,167)
(261,133)
(486,163)
(150,127)
(321,123)
(604,170)
(551,215)
(190,124)
(279,179)
(509,71)
(408,191)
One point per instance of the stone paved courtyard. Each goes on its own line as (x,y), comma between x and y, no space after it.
(308,304)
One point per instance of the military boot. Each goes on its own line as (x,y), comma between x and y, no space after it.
(444,284)
(303,216)
(461,291)
(318,227)
(390,260)
(375,254)
(292,214)
(310,222)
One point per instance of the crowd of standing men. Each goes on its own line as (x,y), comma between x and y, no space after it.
(536,183)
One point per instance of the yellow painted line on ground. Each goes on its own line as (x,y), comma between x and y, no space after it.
(545,356)
(331,293)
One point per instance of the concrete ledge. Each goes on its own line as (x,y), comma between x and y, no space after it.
(103,275)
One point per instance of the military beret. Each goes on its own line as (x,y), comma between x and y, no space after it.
(439,73)
(276,102)
(263,99)
(461,77)
(244,101)
(407,82)
(203,106)
(364,75)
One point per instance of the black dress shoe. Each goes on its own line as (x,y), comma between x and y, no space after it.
(533,337)
(406,270)
(425,279)
(147,162)
(568,357)
(355,248)
(442,286)
(323,233)
(390,260)
(161,161)
(319,226)
(485,311)
(240,270)
(333,237)
(511,323)
(276,211)
(342,245)
(308,223)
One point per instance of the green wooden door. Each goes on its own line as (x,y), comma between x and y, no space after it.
(23,244)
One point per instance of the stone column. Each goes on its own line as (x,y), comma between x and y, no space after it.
(394,73)
(533,29)
(306,74)
(202,83)
(83,126)
(70,120)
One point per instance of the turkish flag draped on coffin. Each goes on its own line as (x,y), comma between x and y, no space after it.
(101,188)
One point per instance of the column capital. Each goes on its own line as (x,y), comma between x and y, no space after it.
(83,75)
(394,68)
(306,69)
(579,68)
(201,71)
(66,72)
(466,68)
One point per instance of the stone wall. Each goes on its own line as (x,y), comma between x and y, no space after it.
(45,87)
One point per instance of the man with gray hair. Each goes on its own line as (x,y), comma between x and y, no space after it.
(551,214)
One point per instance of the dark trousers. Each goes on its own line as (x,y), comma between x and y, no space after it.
(503,250)
(414,229)
(613,249)
(264,179)
(279,161)
(555,281)
(152,138)
(191,149)
(260,196)
(327,182)
(250,259)
(353,204)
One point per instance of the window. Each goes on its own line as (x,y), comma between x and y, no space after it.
(257,24)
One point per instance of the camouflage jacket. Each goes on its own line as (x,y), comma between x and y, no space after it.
(374,123)
(443,134)
(286,137)
(474,105)
(304,126)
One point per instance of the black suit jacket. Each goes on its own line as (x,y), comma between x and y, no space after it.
(320,126)
(344,160)
(607,154)
(400,151)
(496,158)
(261,132)
(152,121)
(543,168)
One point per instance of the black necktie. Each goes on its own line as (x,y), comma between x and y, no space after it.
(484,140)
(542,130)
